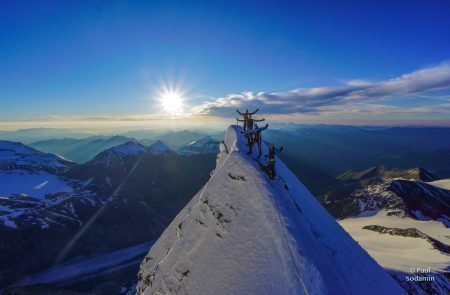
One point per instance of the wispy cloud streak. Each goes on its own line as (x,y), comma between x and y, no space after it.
(362,95)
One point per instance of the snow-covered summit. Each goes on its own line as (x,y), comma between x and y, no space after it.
(245,234)
(205,145)
(116,155)
(131,147)
(158,147)
(15,155)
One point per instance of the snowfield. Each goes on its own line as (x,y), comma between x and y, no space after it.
(443,183)
(23,192)
(398,252)
(33,184)
(245,234)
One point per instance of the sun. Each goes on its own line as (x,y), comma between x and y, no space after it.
(172,101)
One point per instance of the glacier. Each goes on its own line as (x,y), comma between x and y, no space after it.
(245,234)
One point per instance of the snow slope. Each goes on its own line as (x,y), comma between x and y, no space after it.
(84,268)
(398,252)
(244,234)
(443,183)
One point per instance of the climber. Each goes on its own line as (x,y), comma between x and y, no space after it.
(248,121)
(270,157)
(254,136)
(247,112)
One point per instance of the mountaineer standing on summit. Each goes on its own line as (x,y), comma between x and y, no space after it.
(248,120)
(270,157)
(254,136)
(247,112)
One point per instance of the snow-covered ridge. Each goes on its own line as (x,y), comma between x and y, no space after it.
(115,156)
(245,234)
(133,147)
(15,155)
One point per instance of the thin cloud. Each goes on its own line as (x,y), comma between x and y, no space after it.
(367,95)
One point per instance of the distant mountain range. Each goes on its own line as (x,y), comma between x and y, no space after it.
(79,150)
(330,149)
(336,149)
(82,150)
(36,134)
(53,210)
(405,192)
(178,139)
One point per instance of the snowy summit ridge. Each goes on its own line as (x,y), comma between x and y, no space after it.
(245,234)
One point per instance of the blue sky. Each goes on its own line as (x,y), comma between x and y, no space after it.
(322,61)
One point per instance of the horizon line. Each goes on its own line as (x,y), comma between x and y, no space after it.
(175,124)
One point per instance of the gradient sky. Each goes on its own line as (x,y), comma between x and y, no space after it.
(312,61)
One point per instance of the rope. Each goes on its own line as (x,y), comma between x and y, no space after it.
(225,145)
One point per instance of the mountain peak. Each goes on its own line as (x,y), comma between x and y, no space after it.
(381,173)
(16,155)
(131,147)
(158,147)
(18,148)
(243,233)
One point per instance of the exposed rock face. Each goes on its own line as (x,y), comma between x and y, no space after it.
(411,233)
(376,189)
